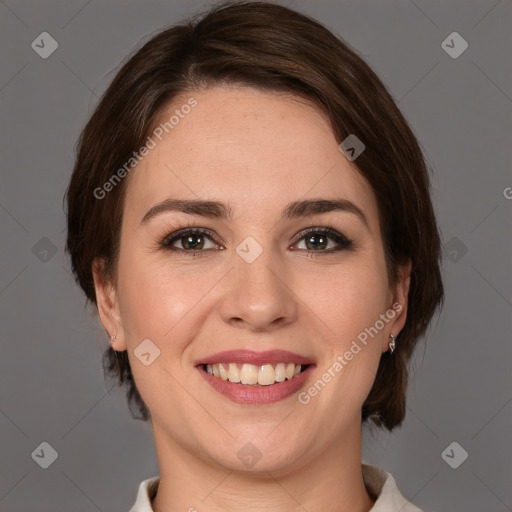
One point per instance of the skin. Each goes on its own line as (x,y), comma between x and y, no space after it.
(258,152)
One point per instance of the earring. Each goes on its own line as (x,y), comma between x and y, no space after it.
(112,338)
(392,344)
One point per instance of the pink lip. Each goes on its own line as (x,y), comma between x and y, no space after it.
(256,394)
(255,358)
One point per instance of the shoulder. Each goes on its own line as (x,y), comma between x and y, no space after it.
(379,483)
(147,491)
(383,487)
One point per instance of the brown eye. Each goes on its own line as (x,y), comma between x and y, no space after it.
(317,240)
(191,240)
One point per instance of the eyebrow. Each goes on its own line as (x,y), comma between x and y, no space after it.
(218,210)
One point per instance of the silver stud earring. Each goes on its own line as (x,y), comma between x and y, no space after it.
(112,338)
(392,344)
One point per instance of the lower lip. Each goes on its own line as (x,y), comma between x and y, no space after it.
(256,395)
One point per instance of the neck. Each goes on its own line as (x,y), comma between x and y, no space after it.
(331,481)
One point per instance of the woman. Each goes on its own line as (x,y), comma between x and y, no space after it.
(250,214)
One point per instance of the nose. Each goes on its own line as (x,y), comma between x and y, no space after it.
(259,295)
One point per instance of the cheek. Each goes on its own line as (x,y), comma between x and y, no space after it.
(161,299)
(151,302)
(153,305)
(350,301)
(349,298)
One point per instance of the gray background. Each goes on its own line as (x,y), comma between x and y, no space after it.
(51,382)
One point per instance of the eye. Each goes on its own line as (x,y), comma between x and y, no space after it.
(317,240)
(194,241)
(191,240)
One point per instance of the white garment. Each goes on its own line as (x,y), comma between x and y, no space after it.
(378,482)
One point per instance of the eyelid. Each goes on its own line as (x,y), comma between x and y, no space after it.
(179,233)
(327,229)
(344,242)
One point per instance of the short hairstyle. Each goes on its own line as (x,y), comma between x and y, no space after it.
(275,49)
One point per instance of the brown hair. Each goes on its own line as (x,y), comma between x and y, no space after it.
(273,48)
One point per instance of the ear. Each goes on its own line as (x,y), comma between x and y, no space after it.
(108,305)
(399,295)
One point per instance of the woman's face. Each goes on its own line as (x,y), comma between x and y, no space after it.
(254,281)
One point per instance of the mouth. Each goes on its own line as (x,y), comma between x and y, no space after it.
(251,378)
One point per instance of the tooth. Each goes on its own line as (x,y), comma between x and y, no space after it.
(249,374)
(280,372)
(266,375)
(290,370)
(234,373)
(222,371)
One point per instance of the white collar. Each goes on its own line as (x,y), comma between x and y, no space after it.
(378,482)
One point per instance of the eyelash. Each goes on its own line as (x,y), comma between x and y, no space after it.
(343,242)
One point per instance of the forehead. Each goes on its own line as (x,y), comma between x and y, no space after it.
(253,149)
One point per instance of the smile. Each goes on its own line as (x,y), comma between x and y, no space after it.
(256,378)
(253,375)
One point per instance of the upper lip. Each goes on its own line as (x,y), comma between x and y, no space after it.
(255,358)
